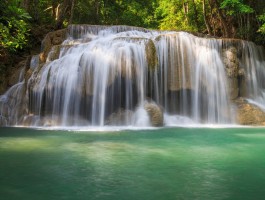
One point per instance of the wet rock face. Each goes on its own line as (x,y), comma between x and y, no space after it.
(231,63)
(179,66)
(120,118)
(249,114)
(155,113)
(52,39)
(151,55)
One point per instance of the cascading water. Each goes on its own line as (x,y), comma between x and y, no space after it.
(254,64)
(123,75)
(194,82)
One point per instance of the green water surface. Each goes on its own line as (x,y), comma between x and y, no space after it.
(168,163)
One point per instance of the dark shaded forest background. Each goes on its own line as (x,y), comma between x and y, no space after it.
(23,23)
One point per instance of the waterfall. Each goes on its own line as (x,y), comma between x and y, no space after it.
(254,64)
(194,82)
(120,75)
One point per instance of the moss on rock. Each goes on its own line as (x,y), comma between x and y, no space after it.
(151,55)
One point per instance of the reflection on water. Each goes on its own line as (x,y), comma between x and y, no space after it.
(172,163)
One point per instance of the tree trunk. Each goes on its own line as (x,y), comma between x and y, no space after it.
(211,22)
(64,13)
(36,10)
(25,4)
(196,15)
(207,24)
(226,31)
(97,5)
(186,10)
(72,12)
(54,9)
(31,6)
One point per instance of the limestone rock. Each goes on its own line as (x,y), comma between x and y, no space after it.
(179,66)
(121,117)
(249,114)
(241,72)
(125,70)
(51,39)
(233,87)
(151,55)
(155,113)
(56,50)
(231,63)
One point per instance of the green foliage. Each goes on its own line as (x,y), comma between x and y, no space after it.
(84,14)
(138,13)
(262,27)
(171,16)
(234,7)
(185,15)
(13,26)
(116,12)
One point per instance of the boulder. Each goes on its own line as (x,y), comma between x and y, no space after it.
(155,113)
(249,114)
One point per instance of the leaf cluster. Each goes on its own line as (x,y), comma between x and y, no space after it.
(262,27)
(234,7)
(14,27)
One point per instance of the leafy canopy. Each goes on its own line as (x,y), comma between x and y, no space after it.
(262,28)
(13,26)
(236,7)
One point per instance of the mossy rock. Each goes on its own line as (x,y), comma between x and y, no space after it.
(151,55)
(50,40)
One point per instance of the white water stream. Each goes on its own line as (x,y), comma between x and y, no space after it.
(105,75)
